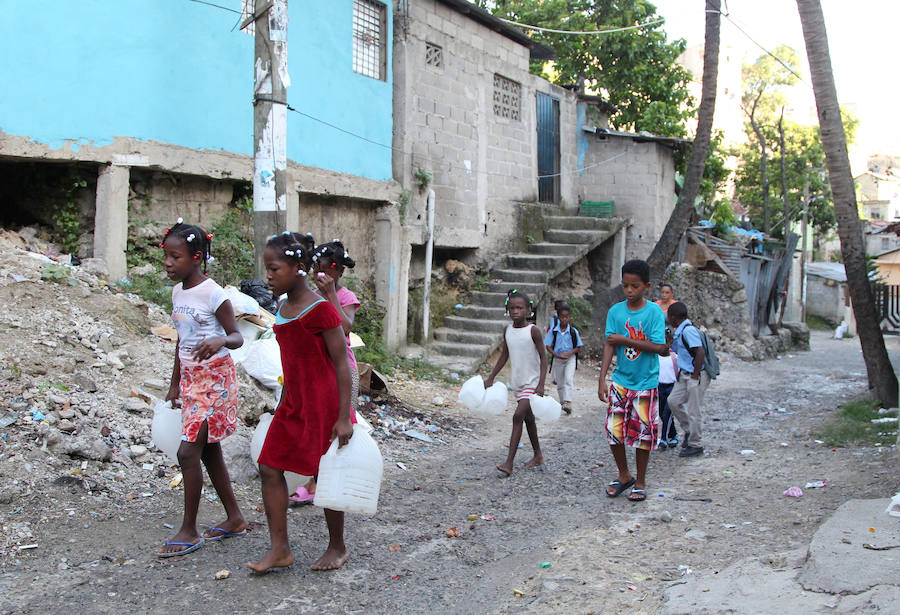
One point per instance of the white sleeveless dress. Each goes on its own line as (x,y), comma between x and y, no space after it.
(524,361)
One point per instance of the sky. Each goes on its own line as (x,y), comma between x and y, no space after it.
(862,40)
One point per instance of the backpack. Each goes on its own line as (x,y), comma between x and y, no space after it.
(553,345)
(710,361)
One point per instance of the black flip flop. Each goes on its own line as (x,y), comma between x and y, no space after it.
(641,493)
(619,487)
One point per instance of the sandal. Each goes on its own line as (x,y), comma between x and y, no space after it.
(619,487)
(302,496)
(190,547)
(637,495)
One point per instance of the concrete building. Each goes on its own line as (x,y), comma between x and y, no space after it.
(879,196)
(155,97)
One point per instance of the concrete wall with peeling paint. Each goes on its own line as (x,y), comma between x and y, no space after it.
(134,74)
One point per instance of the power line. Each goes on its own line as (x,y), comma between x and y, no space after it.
(752,40)
(218,6)
(582,32)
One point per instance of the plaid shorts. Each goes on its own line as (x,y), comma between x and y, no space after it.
(632,417)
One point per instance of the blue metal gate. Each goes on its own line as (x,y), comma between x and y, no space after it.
(548,148)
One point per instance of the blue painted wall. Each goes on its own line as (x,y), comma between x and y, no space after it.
(174,71)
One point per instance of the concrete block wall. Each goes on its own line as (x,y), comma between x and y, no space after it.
(640,178)
(482,165)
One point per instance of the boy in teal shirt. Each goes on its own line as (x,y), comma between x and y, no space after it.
(636,334)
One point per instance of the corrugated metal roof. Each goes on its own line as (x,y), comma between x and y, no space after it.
(830,271)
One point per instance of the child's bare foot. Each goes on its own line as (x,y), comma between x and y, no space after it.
(534,461)
(506,468)
(332,559)
(182,541)
(274,558)
(226,529)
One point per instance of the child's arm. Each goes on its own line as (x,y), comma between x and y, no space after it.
(539,346)
(325,284)
(501,361)
(336,344)
(699,354)
(233,338)
(175,383)
(642,345)
(602,391)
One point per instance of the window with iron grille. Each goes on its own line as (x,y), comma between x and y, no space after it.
(370,39)
(507,97)
(434,55)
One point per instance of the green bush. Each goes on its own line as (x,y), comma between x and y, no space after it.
(853,424)
(232,245)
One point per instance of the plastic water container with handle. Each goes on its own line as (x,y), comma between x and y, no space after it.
(256,443)
(350,476)
(546,409)
(495,399)
(166,428)
(471,393)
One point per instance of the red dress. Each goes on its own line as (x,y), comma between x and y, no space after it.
(300,432)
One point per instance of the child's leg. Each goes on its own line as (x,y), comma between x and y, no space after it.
(531,426)
(218,474)
(336,554)
(624,476)
(189,454)
(615,433)
(518,418)
(274,492)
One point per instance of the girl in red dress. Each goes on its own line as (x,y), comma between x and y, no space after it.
(315,402)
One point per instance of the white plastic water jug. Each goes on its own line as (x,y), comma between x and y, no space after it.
(256,443)
(495,399)
(166,428)
(546,409)
(471,393)
(350,476)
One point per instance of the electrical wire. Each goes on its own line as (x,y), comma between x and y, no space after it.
(218,6)
(752,40)
(582,32)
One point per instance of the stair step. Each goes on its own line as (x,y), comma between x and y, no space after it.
(525,287)
(540,262)
(520,276)
(455,363)
(483,311)
(577,223)
(475,324)
(488,299)
(458,336)
(460,350)
(560,249)
(582,236)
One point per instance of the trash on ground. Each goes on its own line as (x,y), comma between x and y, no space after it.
(176,480)
(546,564)
(886,419)
(27,547)
(453,532)
(518,592)
(748,451)
(418,435)
(223,574)
(794,492)
(169,526)
(894,508)
(395,548)
(815,484)
(402,467)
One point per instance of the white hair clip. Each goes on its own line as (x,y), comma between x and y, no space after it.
(271,237)
(301,272)
(289,252)
(189,238)
(315,258)
(209,258)
(309,234)
(286,233)
(335,240)
(179,221)
(346,254)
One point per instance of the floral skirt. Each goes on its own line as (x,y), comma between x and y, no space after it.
(209,392)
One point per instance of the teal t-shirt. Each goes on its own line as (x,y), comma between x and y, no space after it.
(636,370)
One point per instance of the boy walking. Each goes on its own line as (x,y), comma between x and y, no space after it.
(563,342)
(635,333)
(692,382)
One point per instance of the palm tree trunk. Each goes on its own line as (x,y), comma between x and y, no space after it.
(882,380)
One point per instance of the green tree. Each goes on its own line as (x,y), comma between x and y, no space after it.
(635,70)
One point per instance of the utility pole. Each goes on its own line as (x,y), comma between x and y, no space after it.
(803,249)
(271,79)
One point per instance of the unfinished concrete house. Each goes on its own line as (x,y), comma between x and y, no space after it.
(510,161)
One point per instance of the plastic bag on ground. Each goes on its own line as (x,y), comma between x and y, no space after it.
(471,393)
(166,428)
(259,290)
(894,509)
(350,477)
(546,409)
(256,443)
(496,398)
(242,303)
(262,360)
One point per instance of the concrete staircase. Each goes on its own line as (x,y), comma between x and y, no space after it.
(474,332)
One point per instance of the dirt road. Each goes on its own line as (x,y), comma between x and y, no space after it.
(96,553)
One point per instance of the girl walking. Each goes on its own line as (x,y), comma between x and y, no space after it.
(204,380)
(523,346)
(315,403)
(330,260)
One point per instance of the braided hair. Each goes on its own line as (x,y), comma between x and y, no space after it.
(197,239)
(335,252)
(517,293)
(294,248)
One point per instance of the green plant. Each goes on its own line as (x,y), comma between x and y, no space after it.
(232,244)
(481,281)
(853,424)
(529,239)
(402,204)
(817,323)
(581,311)
(150,288)
(423,178)
(56,273)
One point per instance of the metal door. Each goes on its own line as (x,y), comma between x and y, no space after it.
(548,148)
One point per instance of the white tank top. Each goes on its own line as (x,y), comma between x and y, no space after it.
(524,361)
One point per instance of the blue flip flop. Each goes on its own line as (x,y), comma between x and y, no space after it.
(191,547)
(223,535)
